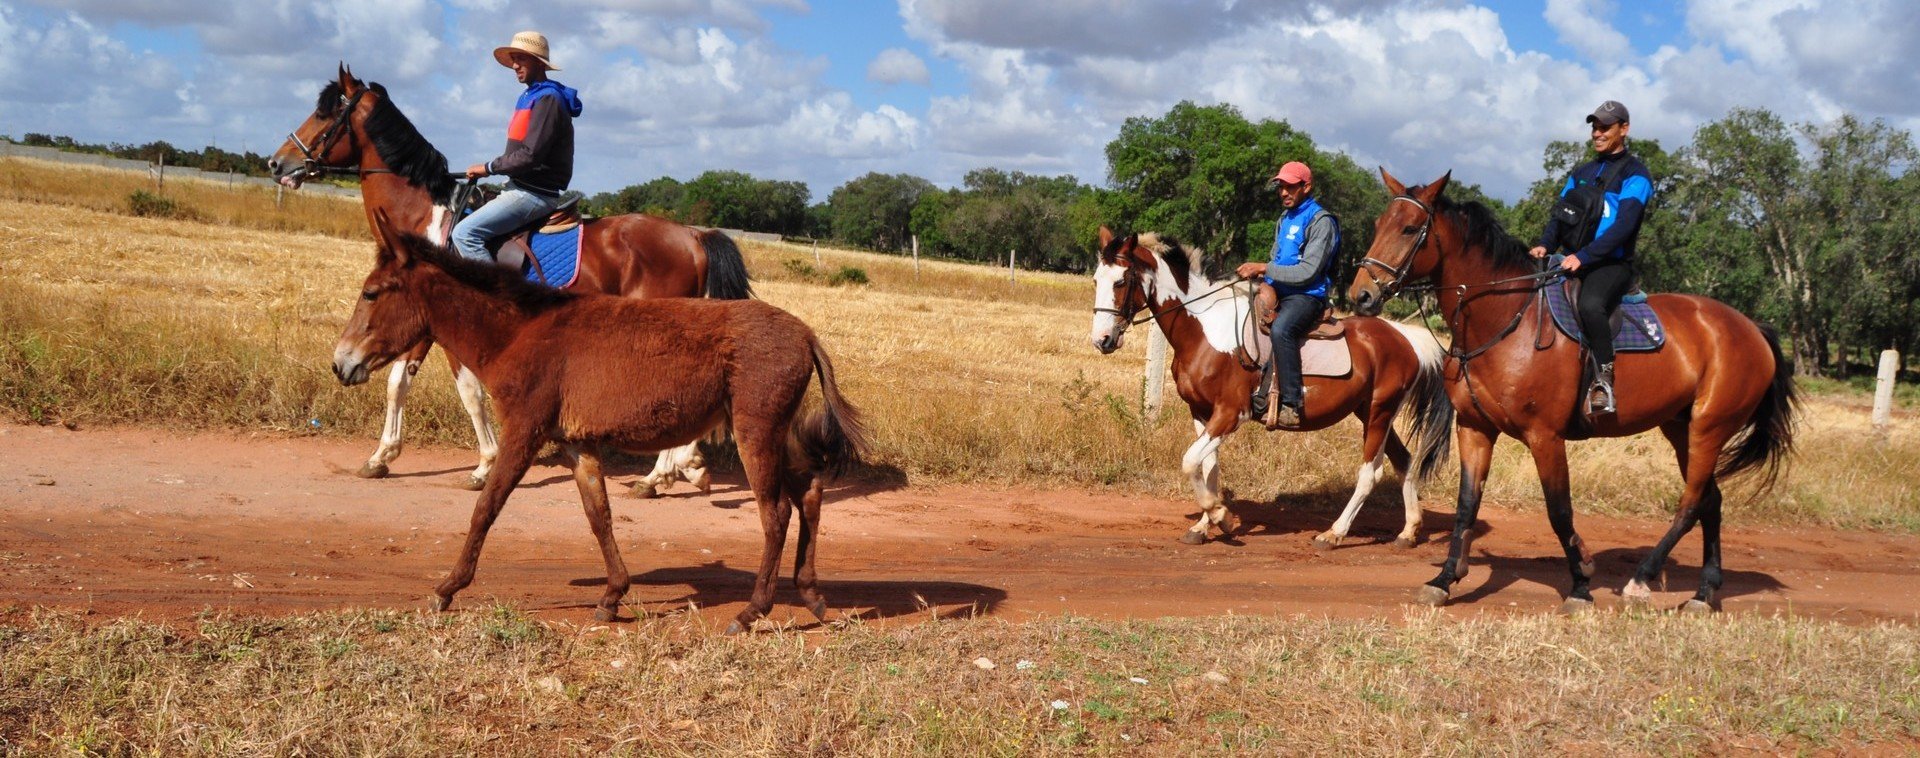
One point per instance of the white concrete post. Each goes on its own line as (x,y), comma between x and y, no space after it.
(1009,265)
(1883,392)
(1156,379)
(916,256)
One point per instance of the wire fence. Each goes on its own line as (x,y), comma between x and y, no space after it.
(8,149)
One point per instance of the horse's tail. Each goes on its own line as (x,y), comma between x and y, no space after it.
(1429,408)
(1767,438)
(726,270)
(833,438)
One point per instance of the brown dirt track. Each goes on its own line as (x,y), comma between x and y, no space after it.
(162,525)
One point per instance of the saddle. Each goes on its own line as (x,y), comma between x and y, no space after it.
(1636,327)
(517,246)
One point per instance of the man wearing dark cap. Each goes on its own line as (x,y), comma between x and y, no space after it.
(1304,244)
(1600,251)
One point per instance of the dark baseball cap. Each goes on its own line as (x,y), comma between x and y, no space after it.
(1609,113)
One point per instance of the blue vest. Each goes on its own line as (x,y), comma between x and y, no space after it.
(1290,235)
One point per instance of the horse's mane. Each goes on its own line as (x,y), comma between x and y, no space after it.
(494,281)
(1184,264)
(1482,229)
(399,144)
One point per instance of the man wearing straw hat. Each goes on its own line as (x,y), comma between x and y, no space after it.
(538,161)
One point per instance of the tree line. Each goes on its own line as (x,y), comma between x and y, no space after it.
(210,159)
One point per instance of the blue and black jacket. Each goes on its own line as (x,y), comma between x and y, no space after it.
(1626,205)
(539,154)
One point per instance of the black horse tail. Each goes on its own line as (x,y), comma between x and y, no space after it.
(726,270)
(1767,438)
(834,438)
(1429,407)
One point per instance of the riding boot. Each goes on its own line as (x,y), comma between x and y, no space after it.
(1600,397)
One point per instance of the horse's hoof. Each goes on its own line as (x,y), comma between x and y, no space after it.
(1428,594)
(473,483)
(602,613)
(819,611)
(1636,595)
(1323,544)
(735,628)
(1193,537)
(643,490)
(1696,607)
(439,603)
(1404,543)
(372,471)
(1587,570)
(1575,606)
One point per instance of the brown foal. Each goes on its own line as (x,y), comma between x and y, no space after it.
(595,373)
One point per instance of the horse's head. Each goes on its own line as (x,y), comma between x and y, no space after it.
(330,138)
(1401,250)
(1122,285)
(388,320)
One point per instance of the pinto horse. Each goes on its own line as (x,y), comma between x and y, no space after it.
(1394,369)
(356,129)
(595,373)
(1719,389)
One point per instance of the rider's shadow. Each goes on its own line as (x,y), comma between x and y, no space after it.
(1613,568)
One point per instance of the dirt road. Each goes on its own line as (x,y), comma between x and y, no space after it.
(136,521)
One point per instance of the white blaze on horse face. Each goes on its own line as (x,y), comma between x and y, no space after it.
(1106,323)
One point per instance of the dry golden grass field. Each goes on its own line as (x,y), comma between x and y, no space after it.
(225,317)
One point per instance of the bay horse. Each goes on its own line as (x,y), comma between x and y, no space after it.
(356,129)
(1394,370)
(1719,389)
(594,373)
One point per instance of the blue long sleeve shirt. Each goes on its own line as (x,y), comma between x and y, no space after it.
(1626,204)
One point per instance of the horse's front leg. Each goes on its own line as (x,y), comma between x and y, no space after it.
(399,381)
(1201,464)
(515,457)
(1550,458)
(473,397)
(593,498)
(1476,457)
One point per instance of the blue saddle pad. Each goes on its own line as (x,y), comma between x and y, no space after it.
(1639,331)
(559,257)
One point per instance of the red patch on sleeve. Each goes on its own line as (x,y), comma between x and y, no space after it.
(517,128)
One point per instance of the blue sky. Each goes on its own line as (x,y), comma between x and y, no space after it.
(823,92)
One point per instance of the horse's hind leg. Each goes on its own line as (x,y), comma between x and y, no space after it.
(1373,466)
(399,381)
(1699,502)
(1402,460)
(684,462)
(763,455)
(473,397)
(593,498)
(806,488)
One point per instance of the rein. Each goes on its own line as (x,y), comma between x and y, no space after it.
(1135,319)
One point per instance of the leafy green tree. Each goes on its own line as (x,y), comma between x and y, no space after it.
(736,200)
(664,196)
(876,211)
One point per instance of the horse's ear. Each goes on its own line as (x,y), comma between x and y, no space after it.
(347,83)
(1432,192)
(392,247)
(1393,185)
(1106,236)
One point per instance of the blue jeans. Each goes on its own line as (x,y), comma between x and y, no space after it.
(1293,317)
(513,209)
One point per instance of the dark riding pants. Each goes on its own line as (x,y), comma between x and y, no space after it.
(1293,318)
(1601,287)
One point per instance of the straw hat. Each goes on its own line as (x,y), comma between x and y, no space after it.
(531,43)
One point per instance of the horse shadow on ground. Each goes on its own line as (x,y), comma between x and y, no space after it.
(1613,568)
(716,583)
(1311,512)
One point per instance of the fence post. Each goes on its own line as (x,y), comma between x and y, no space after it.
(916,256)
(1009,266)
(816,252)
(1883,393)
(1156,378)
(160,177)
(279,192)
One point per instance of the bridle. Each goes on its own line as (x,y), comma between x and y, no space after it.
(1398,274)
(323,143)
(1125,318)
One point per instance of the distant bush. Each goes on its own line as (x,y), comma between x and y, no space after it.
(144,203)
(848,275)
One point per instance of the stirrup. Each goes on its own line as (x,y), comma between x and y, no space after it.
(1600,399)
